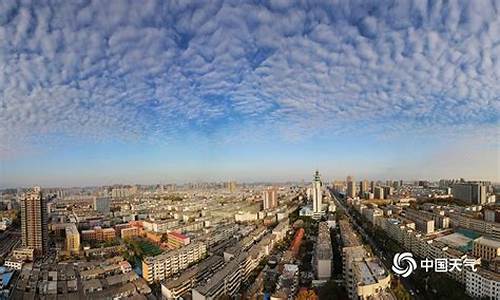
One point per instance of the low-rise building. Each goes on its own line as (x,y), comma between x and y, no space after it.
(130,232)
(176,287)
(13,263)
(177,240)
(72,239)
(486,248)
(323,254)
(227,282)
(167,264)
(482,284)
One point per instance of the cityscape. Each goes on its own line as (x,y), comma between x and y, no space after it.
(263,150)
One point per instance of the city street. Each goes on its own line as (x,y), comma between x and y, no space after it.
(409,286)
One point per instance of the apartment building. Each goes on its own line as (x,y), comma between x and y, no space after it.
(99,234)
(462,220)
(130,232)
(72,239)
(373,214)
(364,276)
(174,288)
(161,226)
(483,284)
(176,240)
(424,222)
(422,245)
(323,254)
(170,263)
(34,218)
(227,281)
(486,248)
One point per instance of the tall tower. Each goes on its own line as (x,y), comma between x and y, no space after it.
(317,193)
(363,186)
(270,198)
(351,187)
(34,221)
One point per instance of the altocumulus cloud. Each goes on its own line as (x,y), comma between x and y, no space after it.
(156,69)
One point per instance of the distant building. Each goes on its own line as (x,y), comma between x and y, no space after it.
(72,239)
(270,198)
(473,193)
(102,204)
(34,220)
(379,192)
(388,191)
(231,186)
(492,215)
(317,193)
(351,187)
(123,192)
(363,188)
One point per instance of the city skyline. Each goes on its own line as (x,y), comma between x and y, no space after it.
(156,92)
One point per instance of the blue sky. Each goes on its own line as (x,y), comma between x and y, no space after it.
(101,92)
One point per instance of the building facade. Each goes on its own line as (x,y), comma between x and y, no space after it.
(317,193)
(34,218)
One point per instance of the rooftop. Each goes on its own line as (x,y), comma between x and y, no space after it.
(487,242)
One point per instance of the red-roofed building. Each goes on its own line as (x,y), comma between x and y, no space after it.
(177,240)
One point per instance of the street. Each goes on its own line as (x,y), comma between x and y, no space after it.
(387,261)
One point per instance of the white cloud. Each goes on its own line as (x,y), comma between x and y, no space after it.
(156,69)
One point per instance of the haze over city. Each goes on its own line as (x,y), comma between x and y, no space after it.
(162,91)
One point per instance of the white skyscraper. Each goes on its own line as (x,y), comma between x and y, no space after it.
(317,193)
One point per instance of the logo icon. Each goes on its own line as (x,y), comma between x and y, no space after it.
(404,264)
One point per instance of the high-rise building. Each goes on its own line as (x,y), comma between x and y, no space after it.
(363,188)
(317,193)
(270,198)
(474,193)
(388,191)
(231,186)
(338,186)
(34,221)
(351,187)
(372,186)
(101,204)
(379,192)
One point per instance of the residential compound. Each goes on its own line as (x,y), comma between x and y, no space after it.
(450,232)
(191,241)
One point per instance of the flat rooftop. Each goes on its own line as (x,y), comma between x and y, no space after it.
(456,240)
(488,242)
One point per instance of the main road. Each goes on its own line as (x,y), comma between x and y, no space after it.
(384,256)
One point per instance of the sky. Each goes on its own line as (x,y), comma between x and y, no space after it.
(108,92)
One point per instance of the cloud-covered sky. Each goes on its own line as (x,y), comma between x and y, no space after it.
(202,86)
